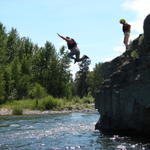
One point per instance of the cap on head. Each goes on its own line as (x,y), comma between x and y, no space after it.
(122,21)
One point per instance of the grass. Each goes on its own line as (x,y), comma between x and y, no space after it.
(48,103)
(17,110)
(24,104)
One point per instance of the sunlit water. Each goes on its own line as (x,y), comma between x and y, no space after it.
(73,131)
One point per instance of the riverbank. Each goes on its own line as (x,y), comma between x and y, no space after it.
(5,111)
(47,105)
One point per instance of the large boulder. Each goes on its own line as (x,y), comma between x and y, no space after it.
(147,32)
(123,100)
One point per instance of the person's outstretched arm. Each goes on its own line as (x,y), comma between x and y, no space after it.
(62,37)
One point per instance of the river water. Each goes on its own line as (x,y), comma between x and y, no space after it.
(72,131)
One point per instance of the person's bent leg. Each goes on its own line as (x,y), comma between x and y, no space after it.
(77,54)
(70,55)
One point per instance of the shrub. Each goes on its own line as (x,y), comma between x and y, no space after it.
(76,99)
(17,110)
(88,100)
(37,91)
(134,54)
(49,103)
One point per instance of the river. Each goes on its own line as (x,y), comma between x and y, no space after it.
(72,131)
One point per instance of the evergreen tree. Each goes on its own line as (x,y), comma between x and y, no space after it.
(12,45)
(2,90)
(81,77)
(94,78)
(7,82)
(23,64)
(3,41)
(15,77)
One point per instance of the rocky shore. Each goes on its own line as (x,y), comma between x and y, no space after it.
(4,111)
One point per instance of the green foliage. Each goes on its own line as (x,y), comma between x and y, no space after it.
(24,64)
(12,47)
(23,104)
(23,86)
(2,91)
(17,110)
(76,99)
(37,92)
(134,54)
(80,80)
(3,41)
(49,103)
(88,82)
(28,71)
(88,99)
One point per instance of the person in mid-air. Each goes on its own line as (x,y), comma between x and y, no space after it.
(126,28)
(74,50)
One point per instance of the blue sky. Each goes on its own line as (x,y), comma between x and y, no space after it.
(92,23)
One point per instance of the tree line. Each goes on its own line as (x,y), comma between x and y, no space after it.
(27,70)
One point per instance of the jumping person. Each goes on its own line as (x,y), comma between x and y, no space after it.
(74,50)
(126,28)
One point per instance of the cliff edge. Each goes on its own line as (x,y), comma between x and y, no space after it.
(123,100)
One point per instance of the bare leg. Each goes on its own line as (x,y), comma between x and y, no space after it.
(126,38)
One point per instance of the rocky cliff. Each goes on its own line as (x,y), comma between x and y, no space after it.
(123,100)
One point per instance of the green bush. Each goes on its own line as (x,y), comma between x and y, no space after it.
(37,91)
(77,99)
(24,104)
(17,110)
(50,103)
(88,100)
(134,54)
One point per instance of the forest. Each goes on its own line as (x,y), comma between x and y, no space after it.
(29,71)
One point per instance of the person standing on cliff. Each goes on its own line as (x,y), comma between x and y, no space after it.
(126,28)
(74,50)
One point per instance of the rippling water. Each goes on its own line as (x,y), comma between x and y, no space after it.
(73,131)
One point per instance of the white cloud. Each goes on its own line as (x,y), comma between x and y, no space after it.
(141,8)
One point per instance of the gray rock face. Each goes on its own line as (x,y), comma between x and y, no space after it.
(123,100)
(147,31)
